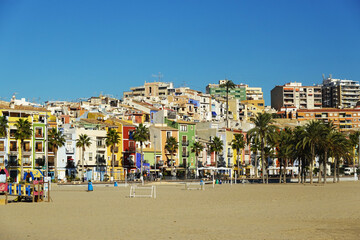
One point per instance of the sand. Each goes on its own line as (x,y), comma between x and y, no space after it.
(242,211)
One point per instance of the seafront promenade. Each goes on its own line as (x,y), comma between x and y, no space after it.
(241,211)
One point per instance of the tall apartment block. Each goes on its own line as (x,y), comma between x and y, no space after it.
(340,93)
(151,89)
(241,91)
(293,94)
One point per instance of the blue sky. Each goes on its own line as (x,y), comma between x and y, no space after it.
(64,50)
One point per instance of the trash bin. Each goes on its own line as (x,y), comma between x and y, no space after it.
(90,186)
(115,184)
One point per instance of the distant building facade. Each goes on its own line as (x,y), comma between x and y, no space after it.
(293,94)
(340,93)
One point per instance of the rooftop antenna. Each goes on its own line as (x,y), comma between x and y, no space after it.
(158,76)
(323,75)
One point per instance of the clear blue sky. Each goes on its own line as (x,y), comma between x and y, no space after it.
(64,50)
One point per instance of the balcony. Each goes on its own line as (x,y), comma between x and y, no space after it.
(27,151)
(185,143)
(132,149)
(185,154)
(230,154)
(101,146)
(69,150)
(14,150)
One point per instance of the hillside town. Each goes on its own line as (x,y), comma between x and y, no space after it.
(193,119)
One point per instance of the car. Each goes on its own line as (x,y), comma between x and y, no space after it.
(348,170)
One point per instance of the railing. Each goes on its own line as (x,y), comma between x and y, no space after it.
(185,143)
(69,150)
(185,154)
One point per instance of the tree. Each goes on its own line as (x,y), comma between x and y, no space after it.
(171,145)
(141,135)
(354,140)
(24,131)
(329,128)
(254,143)
(3,126)
(339,148)
(284,150)
(56,140)
(313,137)
(196,148)
(264,131)
(83,142)
(228,85)
(216,146)
(238,143)
(112,138)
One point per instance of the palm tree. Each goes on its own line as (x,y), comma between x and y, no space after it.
(328,129)
(238,143)
(23,132)
(83,142)
(56,140)
(3,126)
(313,137)
(196,148)
(284,151)
(112,138)
(265,132)
(228,85)
(354,139)
(171,145)
(141,135)
(216,146)
(254,147)
(339,148)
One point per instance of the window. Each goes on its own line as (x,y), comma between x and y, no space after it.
(2,146)
(27,146)
(26,161)
(90,156)
(38,132)
(12,133)
(13,146)
(168,134)
(39,147)
(183,128)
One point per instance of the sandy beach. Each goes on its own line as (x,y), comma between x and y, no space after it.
(242,211)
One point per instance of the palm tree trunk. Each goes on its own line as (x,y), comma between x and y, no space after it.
(299,172)
(197,164)
(112,161)
(334,175)
(325,165)
(238,164)
(263,161)
(141,160)
(319,172)
(280,171)
(256,165)
(338,174)
(286,164)
(172,164)
(82,161)
(312,164)
(55,164)
(21,160)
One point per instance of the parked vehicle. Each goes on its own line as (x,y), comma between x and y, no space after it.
(348,171)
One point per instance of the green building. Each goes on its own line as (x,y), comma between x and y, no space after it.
(186,141)
(239,92)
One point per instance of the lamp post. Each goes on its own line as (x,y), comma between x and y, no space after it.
(355,174)
(155,155)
